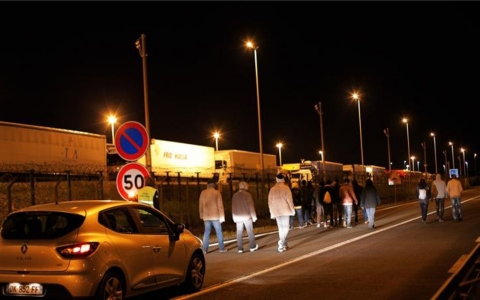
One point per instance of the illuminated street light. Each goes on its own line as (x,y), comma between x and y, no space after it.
(254,47)
(404,164)
(434,151)
(408,137)
(475,163)
(464,169)
(321,153)
(413,163)
(356,97)
(216,135)
(279,145)
(453,156)
(112,120)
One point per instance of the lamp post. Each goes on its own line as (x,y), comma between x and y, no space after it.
(216,135)
(424,146)
(413,163)
(321,153)
(279,145)
(464,164)
(408,137)
(475,163)
(142,49)
(434,151)
(112,120)
(387,134)
(252,46)
(404,164)
(418,166)
(446,161)
(356,97)
(453,156)
(318,108)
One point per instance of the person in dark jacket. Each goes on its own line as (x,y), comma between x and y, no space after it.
(357,189)
(328,207)
(369,200)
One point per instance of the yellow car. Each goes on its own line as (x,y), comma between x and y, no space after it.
(101,249)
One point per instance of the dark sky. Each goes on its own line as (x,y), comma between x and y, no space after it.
(70,64)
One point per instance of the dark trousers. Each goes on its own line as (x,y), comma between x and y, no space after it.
(328,211)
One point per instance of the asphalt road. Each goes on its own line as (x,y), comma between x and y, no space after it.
(401,259)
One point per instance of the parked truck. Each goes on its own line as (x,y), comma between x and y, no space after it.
(26,148)
(236,164)
(188,159)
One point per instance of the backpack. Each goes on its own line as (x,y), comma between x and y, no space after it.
(326,198)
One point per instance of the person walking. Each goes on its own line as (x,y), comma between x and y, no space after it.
(454,190)
(244,215)
(326,199)
(307,190)
(212,213)
(280,204)
(337,203)
(369,200)
(319,204)
(422,192)
(348,199)
(439,190)
(357,189)
(297,205)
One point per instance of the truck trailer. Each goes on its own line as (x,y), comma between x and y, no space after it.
(42,149)
(186,159)
(238,164)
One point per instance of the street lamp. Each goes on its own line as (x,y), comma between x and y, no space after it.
(464,169)
(387,134)
(112,120)
(408,137)
(318,108)
(453,156)
(321,153)
(446,161)
(418,166)
(434,151)
(475,163)
(216,135)
(404,164)
(254,47)
(279,145)
(413,163)
(355,97)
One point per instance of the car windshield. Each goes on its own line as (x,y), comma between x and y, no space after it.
(40,225)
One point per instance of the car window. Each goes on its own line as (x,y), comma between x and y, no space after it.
(118,220)
(152,223)
(40,225)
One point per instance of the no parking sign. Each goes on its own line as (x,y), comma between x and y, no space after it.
(131,140)
(130,179)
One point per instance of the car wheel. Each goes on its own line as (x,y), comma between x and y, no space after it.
(111,287)
(195,274)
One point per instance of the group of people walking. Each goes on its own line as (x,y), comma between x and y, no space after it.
(337,204)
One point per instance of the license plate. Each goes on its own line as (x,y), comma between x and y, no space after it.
(24,289)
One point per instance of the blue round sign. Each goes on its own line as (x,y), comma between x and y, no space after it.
(131,140)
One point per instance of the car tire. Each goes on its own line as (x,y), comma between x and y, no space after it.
(111,287)
(195,274)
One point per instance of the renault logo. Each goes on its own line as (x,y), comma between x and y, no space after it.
(24,248)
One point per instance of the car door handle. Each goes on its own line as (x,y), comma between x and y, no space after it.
(156,248)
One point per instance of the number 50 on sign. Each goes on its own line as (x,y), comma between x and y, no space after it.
(130,179)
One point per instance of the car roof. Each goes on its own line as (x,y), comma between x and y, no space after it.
(78,206)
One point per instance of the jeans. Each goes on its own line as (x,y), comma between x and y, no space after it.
(424,209)
(440,206)
(370,216)
(298,212)
(347,215)
(307,215)
(251,236)
(365,215)
(218,231)
(456,208)
(282,223)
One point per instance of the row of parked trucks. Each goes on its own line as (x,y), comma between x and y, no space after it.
(27,148)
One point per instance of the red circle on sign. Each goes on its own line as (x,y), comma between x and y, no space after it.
(131,140)
(130,179)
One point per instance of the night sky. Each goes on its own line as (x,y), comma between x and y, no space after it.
(70,64)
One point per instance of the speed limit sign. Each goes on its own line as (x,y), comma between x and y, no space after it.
(130,179)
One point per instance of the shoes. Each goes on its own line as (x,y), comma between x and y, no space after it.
(440,220)
(223,250)
(366,222)
(204,252)
(282,249)
(424,222)
(318,225)
(240,251)
(254,249)
(349,226)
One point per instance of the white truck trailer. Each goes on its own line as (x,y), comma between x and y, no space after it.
(188,159)
(240,164)
(50,150)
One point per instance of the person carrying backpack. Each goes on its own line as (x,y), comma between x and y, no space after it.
(423,195)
